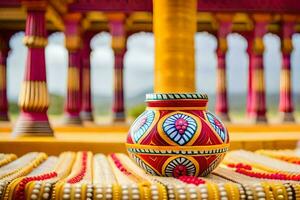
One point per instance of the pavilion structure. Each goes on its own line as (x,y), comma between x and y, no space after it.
(80,20)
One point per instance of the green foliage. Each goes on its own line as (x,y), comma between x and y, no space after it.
(56,105)
(13,108)
(136,110)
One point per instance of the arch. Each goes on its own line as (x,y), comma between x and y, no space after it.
(56,64)
(102,65)
(15,65)
(138,67)
(206,65)
(272,66)
(237,74)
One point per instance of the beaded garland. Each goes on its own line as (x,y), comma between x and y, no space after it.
(241,175)
(177,136)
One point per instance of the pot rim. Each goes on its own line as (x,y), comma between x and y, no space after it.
(175,96)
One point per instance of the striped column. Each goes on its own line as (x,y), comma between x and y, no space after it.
(258,104)
(118,33)
(86,107)
(285,101)
(221,93)
(74,83)
(4,49)
(175,24)
(34,98)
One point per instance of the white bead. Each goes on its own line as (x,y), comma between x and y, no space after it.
(46,189)
(155,197)
(46,195)
(48,184)
(66,196)
(192,189)
(99,196)
(38,186)
(78,190)
(193,196)
(108,196)
(223,193)
(261,194)
(224,198)
(89,194)
(134,191)
(203,190)
(154,192)
(77,195)
(67,190)
(33,196)
(89,190)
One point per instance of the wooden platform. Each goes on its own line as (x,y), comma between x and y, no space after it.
(114,142)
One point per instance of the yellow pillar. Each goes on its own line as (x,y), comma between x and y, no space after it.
(174,31)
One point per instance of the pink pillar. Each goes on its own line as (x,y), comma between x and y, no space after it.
(221,94)
(4,49)
(258,102)
(74,84)
(249,38)
(118,33)
(86,109)
(34,98)
(286,106)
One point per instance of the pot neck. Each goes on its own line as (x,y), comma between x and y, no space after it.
(171,100)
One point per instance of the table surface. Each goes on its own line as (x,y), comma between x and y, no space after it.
(241,175)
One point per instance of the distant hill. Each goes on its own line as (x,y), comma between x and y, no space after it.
(103,104)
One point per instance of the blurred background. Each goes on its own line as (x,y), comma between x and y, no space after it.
(138,72)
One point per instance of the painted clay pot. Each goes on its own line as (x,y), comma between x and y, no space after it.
(177,136)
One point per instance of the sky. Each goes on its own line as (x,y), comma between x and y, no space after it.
(139,60)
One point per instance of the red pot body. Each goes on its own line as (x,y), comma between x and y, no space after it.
(177,136)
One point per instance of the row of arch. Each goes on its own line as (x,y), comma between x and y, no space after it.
(138,69)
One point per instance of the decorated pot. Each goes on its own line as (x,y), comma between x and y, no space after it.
(177,136)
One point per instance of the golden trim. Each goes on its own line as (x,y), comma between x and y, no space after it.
(73,79)
(287,45)
(285,80)
(35,41)
(73,42)
(185,148)
(34,96)
(2,77)
(258,47)
(259,83)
